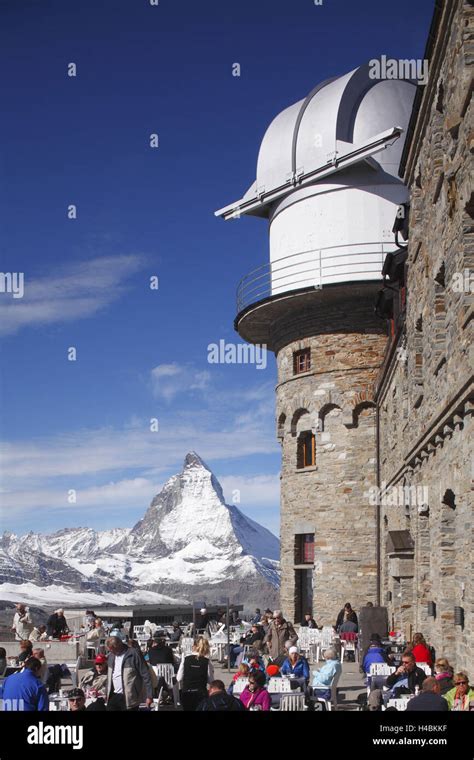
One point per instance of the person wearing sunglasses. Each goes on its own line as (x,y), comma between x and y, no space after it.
(459,697)
(404,680)
(76,700)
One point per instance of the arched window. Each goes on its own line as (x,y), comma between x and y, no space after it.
(306,452)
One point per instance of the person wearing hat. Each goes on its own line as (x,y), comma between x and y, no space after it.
(202,621)
(95,680)
(374,653)
(159,653)
(76,700)
(296,667)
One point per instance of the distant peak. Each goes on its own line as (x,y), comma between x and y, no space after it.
(194,460)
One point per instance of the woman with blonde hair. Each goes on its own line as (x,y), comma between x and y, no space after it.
(443,673)
(194,673)
(459,697)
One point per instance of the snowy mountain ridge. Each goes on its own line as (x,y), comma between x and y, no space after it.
(188,542)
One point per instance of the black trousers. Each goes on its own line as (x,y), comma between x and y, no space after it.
(116,703)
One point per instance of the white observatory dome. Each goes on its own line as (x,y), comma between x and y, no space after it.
(327,179)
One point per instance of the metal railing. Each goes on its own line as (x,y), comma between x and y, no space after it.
(311,268)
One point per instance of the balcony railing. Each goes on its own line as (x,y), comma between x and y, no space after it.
(313,268)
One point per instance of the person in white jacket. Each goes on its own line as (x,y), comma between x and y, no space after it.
(22,623)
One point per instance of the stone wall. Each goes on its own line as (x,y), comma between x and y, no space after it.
(334,399)
(425,396)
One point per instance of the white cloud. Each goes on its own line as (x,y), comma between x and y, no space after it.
(169,380)
(75,291)
(123,493)
(255,491)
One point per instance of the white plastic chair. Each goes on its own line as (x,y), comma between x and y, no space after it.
(381,669)
(239,686)
(349,645)
(398,704)
(424,667)
(186,645)
(279,685)
(291,703)
(166,671)
(331,703)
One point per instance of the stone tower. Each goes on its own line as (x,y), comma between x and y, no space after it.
(327,181)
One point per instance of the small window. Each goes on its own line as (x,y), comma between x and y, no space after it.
(301,361)
(306,450)
(304,545)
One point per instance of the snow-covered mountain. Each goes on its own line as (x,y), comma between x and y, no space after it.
(189,544)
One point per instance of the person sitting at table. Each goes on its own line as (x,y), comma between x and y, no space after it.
(39,633)
(26,650)
(443,673)
(459,697)
(325,675)
(176,633)
(96,678)
(347,613)
(375,653)
(348,625)
(97,632)
(296,666)
(160,653)
(255,662)
(252,638)
(242,672)
(309,621)
(420,649)
(218,700)
(76,700)
(403,681)
(3,660)
(255,695)
(430,699)
(24,691)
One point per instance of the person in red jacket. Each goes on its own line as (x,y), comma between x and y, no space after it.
(420,650)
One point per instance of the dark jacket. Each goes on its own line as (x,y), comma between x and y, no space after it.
(176,635)
(202,621)
(56,626)
(415,678)
(136,678)
(309,623)
(252,638)
(340,619)
(161,656)
(446,682)
(221,702)
(429,702)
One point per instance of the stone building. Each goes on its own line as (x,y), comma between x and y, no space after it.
(374,415)
(327,181)
(425,391)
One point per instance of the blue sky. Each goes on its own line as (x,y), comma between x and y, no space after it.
(84,140)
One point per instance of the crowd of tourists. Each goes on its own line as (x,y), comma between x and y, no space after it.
(123,676)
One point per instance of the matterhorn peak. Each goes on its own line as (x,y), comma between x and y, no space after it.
(192,459)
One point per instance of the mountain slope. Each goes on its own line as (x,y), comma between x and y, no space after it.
(189,544)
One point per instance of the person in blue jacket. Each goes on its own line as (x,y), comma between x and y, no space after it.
(25,691)
(323,678)
(374,653)
(296,666)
